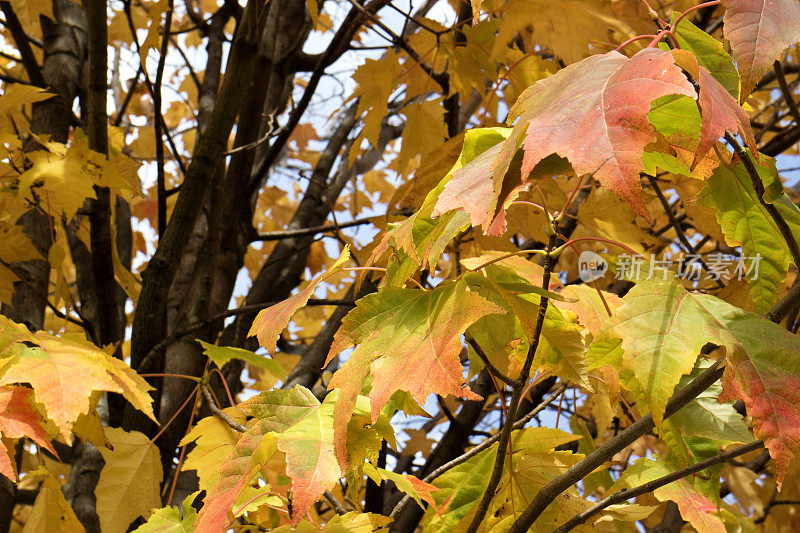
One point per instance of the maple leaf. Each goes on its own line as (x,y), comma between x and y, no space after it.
(695,508)
(294,422)
(720,111)
(64,371)
(270,322)
(19,419)
(130,482)
(746,223)
(759,31)
(768,380)
(589,22)
(171,519)
(222,354)
(407,340)
(594,113)
(352,522)
(534,462)
(411,485)
(51,511)
(213,439)
(377,79)
(662,327)
(707,417)
(470,184)
(708,51)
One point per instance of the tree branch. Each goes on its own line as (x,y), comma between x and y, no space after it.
(518,388)
(603,453)
(650,486)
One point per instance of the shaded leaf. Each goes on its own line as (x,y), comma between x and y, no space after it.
(130,482)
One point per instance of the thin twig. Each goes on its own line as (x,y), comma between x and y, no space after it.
(758,186)
(489,365)
(300,232)
(787,93)
(518,388)
(217,411)
(679,231)
(650,486)
(519,424)
(336,504)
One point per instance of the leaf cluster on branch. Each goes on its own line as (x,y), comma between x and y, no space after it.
(352,266)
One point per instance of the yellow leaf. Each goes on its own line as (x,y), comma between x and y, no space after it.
(377,79)
(152,40)
(129,484)
(51,512)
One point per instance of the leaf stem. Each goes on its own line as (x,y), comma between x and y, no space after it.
(693,9)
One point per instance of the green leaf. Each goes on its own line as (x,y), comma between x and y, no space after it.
(222,354)
(706,417)
(662,327)
(747,223)
(171,520)
(709,53)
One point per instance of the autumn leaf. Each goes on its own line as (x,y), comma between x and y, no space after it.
(407,340)
(589,22)
(377,80)
(130,482)
(64,371)
(759,31)
(746,223)
(353,522)
(171,519)
(604,98)
(270,322)
(213,439)
(411,485)
(19,419)
(662,327)
(695,508)
(51,511)
(222,354)
(765,373)
(707,417)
